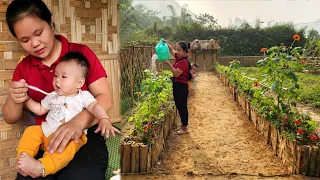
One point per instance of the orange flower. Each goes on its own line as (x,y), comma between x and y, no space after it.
(256,84)
(159,70)
(264,50)
(139,94)
(302,61)
(296,37)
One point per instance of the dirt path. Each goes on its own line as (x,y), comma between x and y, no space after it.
(221,141)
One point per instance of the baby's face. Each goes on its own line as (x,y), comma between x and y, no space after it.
(194,68)
(67,78)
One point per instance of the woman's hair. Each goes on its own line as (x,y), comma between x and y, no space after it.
(79,59)
(19,9)
(184,46)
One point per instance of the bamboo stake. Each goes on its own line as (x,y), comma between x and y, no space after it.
(135,158)
(306,160)
(313,160)
(298,157)
(130,75)
(149,162)
(317,167)
(143,157)
(126,160)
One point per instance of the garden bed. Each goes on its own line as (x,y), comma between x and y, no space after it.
(298,159)
(137,157)
(150,125)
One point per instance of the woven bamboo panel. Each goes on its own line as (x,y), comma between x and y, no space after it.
(94,23)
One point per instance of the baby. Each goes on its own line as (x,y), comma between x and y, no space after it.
(65,102)
(193,71)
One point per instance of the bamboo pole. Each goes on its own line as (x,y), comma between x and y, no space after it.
(126,158)
(130,74)
(143,157)
(274,139)
(317,167)
(299,153)
(135,158)
(306,160)
(149,158)
(313,160)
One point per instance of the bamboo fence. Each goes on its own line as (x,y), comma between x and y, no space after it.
(133,61)
(140,158)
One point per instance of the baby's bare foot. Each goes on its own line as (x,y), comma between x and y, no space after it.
(29,165)
(20,171)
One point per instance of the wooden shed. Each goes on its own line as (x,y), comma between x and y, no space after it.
(94,23)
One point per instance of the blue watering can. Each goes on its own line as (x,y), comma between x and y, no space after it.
(162,50)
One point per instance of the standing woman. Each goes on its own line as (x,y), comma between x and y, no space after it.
(30,22)
(180,70)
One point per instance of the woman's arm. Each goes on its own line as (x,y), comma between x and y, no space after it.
(172,52)
(12,109)
(175,71)
(74,128)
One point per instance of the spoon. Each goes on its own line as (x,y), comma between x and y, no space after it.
(37,89)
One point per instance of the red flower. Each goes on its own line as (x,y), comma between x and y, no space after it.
(302,61)
(313,137)
(285,118)
(297,121)
(300,131)
(149,124)
(146,129)
(156,129)
(264,50)
(139,94)
(256,84)
(296,37)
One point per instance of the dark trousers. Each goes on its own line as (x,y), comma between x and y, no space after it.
(90,162)
(180,95)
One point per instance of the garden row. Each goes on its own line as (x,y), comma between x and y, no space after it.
(289,134)
(153,123)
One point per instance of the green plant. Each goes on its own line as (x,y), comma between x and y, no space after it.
(156,93)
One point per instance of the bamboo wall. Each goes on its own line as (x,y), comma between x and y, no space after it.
(94,23)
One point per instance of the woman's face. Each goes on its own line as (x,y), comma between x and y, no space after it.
(180,52)
(35,36)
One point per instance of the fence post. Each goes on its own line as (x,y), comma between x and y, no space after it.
(130,74)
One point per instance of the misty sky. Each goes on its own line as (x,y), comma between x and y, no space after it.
(297,11)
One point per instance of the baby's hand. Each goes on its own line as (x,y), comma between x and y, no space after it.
(106,127)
